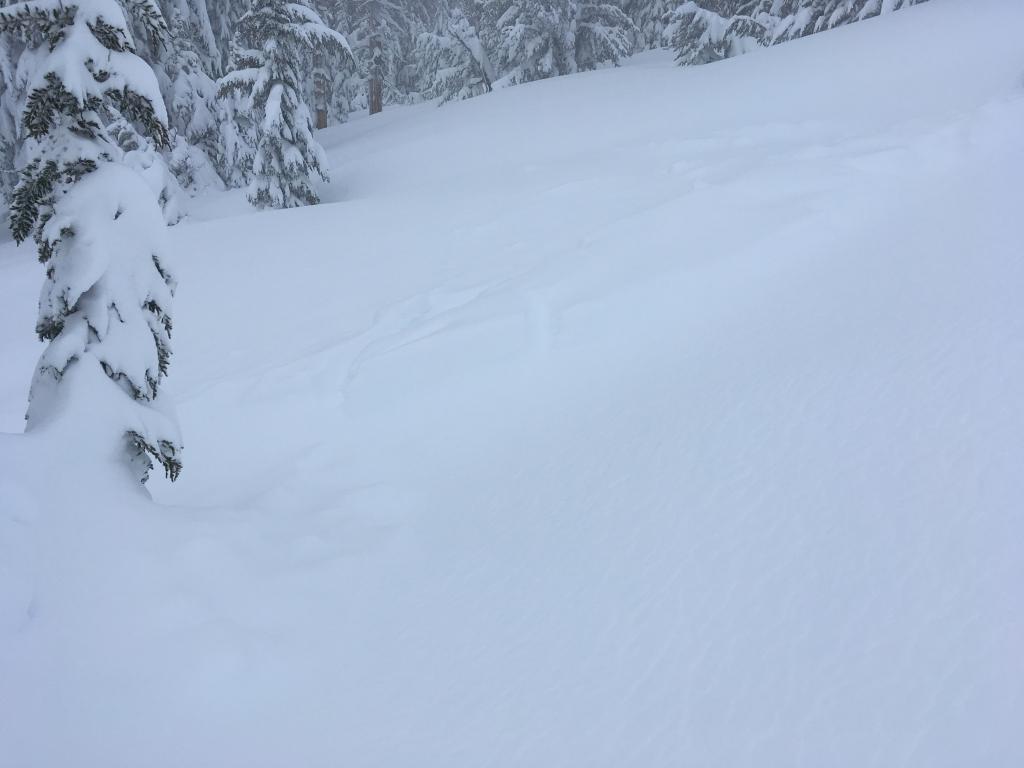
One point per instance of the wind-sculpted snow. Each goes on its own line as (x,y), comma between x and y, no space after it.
(684,432)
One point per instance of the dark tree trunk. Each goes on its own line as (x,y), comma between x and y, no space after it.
(321,91)
(375,83)
(375,88)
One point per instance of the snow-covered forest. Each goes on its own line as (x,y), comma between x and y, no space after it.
(511,382)
(217,65)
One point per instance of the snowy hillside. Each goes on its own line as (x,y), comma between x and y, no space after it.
(644,417)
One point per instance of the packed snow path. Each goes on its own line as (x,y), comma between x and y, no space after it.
(647,417)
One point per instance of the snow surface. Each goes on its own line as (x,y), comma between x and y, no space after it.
(646,417)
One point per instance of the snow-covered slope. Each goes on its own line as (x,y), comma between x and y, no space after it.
(648,417)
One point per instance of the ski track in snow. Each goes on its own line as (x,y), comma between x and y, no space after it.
(678,424)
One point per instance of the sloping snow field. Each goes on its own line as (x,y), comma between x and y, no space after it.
(646,417)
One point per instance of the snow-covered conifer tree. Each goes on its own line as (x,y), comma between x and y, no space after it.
(105,307)
(651,18)
(604,34)
(452,59)
(192,29)
(16,61)
(277,39)
(536,39)
(709,30)
(224,16)
(383,34)
(236,124)
(805,17)
(9,54)
(337,85)
(191,98)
